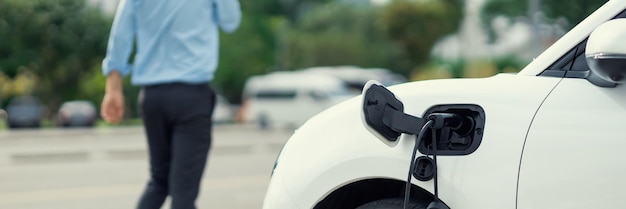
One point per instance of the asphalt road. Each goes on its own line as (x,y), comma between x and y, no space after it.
(107,168)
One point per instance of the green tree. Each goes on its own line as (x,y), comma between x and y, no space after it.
(252,49)
(247,52)
(60,41)
(415,26)
(291,10)
(339,34)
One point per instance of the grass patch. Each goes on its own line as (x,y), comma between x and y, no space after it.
(47,123)
(125,122)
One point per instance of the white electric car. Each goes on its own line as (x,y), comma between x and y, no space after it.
(551,136)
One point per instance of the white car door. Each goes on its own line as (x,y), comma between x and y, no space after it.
(573,154)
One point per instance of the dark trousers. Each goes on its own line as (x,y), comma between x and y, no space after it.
(178,124)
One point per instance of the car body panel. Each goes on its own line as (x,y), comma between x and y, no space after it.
(24,111)
(77,113)
(572,140)
(335,149)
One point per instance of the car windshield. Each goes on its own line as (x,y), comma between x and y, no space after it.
(276,94)
(78,106)
(23,109)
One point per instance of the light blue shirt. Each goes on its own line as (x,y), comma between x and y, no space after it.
(177,40)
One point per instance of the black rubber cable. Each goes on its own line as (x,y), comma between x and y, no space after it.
(407,189)
(434,138)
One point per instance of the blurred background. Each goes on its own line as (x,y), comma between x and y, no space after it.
(289,60)
(51,51)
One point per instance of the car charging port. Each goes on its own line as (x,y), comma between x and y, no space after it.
(464,126)
(459,128)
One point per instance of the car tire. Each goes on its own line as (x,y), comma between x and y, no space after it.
(392,203)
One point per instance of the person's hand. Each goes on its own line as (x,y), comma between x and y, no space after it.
(112,108)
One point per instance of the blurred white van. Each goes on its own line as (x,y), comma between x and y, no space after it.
(356,77)
(288,99)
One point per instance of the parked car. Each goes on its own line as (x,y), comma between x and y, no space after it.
(550,136)
(287,99)
(24,112)
(356,77)
(77,113)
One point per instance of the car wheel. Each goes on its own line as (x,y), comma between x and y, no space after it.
(392,203)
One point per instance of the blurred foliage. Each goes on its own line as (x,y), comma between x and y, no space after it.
(573,11)
(290,35)
(455,68)
(248,51)
(339,34)
(557,14)
(417,25)
(53,49)
(253,48)
(508,64)
(59,42)
(289,9)
(59,45)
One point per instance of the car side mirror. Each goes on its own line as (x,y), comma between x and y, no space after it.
(383,114)
(606,51)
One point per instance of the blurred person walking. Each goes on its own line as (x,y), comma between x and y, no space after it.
(176,57)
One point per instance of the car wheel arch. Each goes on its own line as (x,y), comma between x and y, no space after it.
(364,191)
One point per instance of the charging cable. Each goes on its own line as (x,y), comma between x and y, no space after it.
(435,121)
(407,188)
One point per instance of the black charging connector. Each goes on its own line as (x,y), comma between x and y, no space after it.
(441,119)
